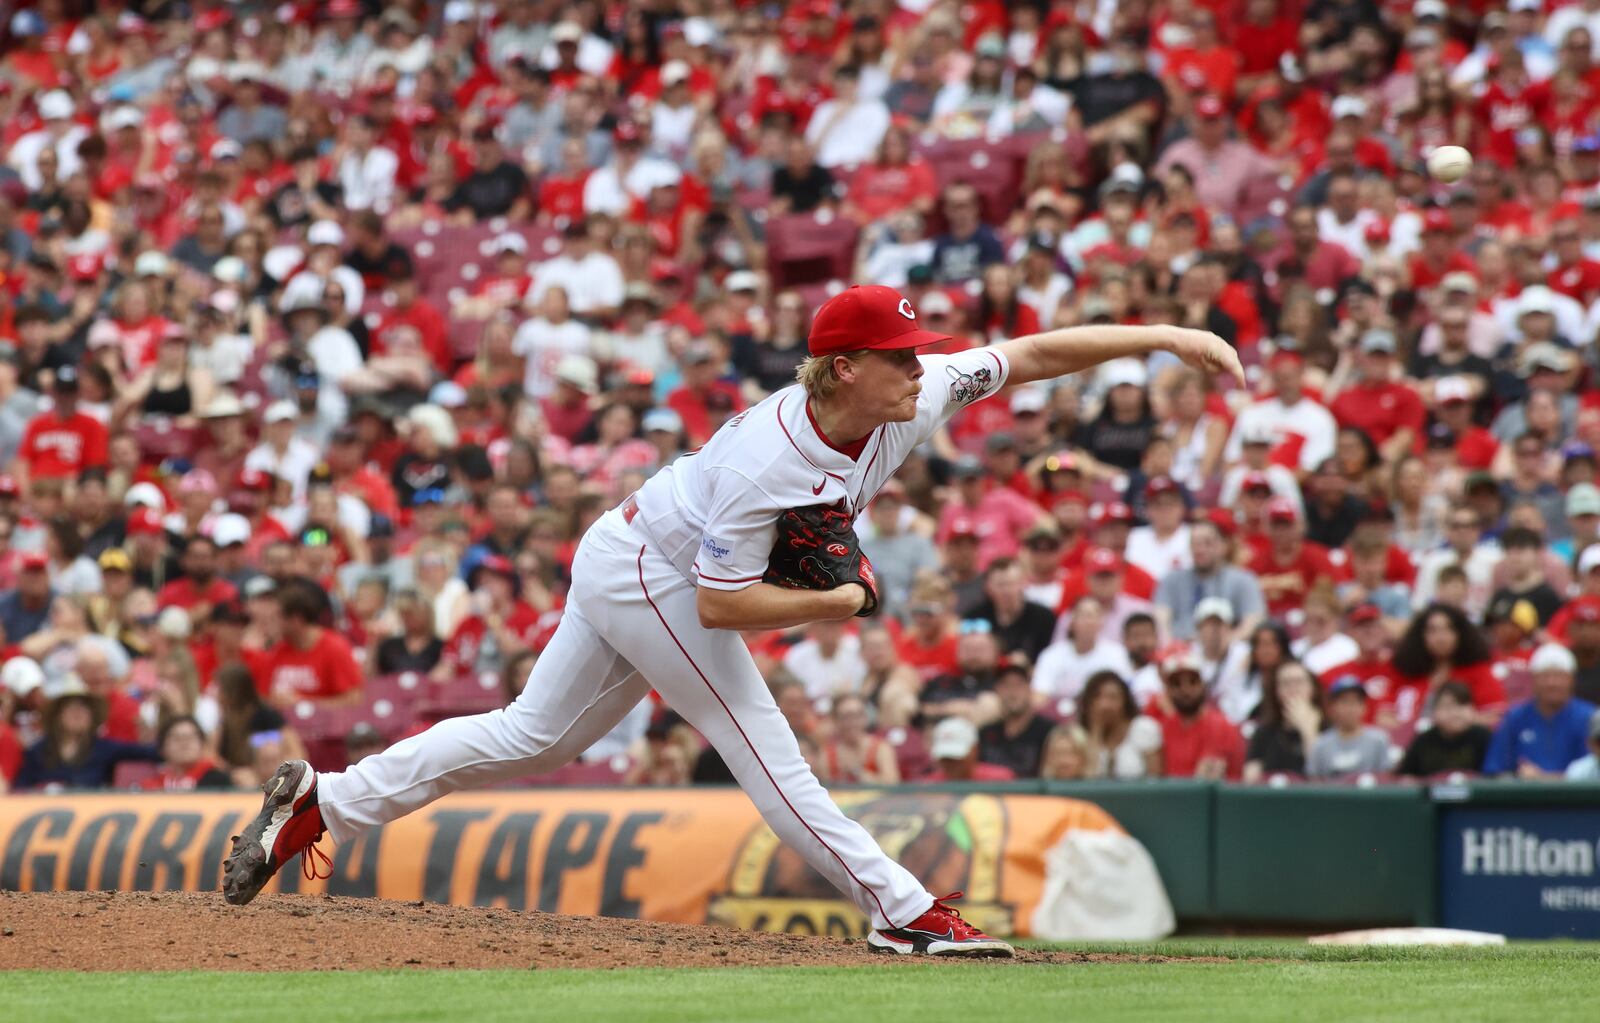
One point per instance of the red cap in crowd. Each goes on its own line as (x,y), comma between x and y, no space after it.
(1585,611)
(1209,106)
(1159,485)
(1363,613)
(1281,509)
(1113,511)
(9,487)
(868,316)
(1436,220)
(254,480)
(144,521)
(963,525)
(86,266)
(1223,519)
(1102,560)
(498,564)
(35,561)
(1068,496)
(1255,481)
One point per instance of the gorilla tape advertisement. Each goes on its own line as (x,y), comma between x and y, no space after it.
(1026,863)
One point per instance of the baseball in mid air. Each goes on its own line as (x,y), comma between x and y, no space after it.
(1449,164)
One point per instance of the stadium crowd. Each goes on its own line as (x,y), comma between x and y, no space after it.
(328,327)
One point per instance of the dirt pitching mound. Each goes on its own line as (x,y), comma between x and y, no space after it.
(198,931)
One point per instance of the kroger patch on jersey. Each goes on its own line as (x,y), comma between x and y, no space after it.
(1523,872)
(716,548)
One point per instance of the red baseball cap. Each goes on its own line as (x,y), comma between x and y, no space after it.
(1281,509)
(499,564)
(1159,485)
(144,521)
(35,561)
(963,526)
(1068,495)
(1377,233)
(1436,220)
(626,131)
(9,487)
(1223,519)
(254,479)
(1209,106)
(1585,611)
(1113,511)
(86,266)
(1363,613)
(868,316)
(1283,355)
(1102,560)
(1255,481)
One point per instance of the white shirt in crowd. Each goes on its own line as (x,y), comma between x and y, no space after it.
(368,178)
(1127,759)
(1304,421)
(1337,649)
(294,464)
(608,191)
(822,675)
(542,345)
(1351,234)
(1279,477)
(1157,556)
(852,134)
(1062,670)
(24,155)
(593,282)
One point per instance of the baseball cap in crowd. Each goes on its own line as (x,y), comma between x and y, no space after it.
(254,480)
(966,467)
(66,378)
(1536,299)
(1214,607)
(1459,280)
(27,24)
(673,72)
(230,529)
(954,738)
(1364,613)
(325,232)
(22,675)
(1429,9)
(867,316)
(1506,608)
(144,522)
(1177,659)
(937,303)
(34,561)
(1113,511)
(1437,221)
(1347,684)
(1281,509)
(1102,561)
(566,32)
(458,12)
(664,420)
(1546,357)
(9,487)
(1160,485)
(115,559)
(1583,499)
(1123,372)
(229,612)
(56,105)
(1378,341)
(381,527)
(448,394)
(1209,106)
(152,264)
(508,241)
(743,280)
(1028,401)
(1452,389)
(963,527)
(579,371)
(260,586)
(1577,451)
(1552,657)
(281,412)
(86,266)
(1255,482)
(1349,106)
(1125,178)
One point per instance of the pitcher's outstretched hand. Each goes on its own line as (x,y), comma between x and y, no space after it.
(1207,353)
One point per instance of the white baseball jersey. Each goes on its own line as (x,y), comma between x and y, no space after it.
(631,624)
(713,513)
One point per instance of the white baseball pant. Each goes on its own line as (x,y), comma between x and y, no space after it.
(629,606)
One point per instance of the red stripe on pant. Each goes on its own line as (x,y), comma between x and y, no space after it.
(775,787)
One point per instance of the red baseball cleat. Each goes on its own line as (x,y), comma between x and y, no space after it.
(939,932)
(289,823)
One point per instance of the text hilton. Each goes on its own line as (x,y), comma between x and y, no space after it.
(1516,852)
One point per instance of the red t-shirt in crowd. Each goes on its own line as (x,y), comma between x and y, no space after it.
(169,780)
(878,190)
(429,324)
(1377,676)
(183,593)
(695,412)
(1380,410)
(927,661)
(461,652)
(10,752)
(327,669)
(57,447)
(122,717)
(1186,743)
(1285,584)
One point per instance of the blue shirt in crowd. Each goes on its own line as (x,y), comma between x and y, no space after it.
(1549,743)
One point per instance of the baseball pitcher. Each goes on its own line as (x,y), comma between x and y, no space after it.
(751,532)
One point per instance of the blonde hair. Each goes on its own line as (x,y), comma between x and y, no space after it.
(816,373)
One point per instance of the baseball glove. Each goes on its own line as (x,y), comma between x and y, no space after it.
(816,549)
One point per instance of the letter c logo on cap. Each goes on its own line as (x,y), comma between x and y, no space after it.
(905,309)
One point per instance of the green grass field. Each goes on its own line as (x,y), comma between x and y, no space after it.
(1543,983)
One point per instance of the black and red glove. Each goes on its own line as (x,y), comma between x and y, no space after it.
(816,549)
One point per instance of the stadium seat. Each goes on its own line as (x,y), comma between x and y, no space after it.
(806,248)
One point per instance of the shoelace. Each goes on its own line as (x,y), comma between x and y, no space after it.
(960,927)
(313,861)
